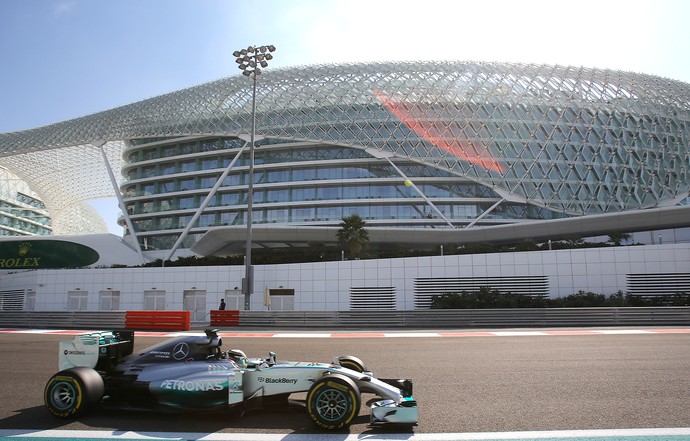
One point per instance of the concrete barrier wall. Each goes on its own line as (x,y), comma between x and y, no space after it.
(448,318)
(63,319)
(471,318)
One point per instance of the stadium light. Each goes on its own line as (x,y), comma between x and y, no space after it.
(248,61)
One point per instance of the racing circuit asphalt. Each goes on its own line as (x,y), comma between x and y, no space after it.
(462,384)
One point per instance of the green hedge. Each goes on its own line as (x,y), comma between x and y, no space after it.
(486,298)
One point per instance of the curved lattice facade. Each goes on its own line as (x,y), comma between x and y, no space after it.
(567,140)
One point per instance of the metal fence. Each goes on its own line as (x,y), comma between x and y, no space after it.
(471,318)
(63,319)
(444,318)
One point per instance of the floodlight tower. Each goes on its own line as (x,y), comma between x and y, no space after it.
(249,61)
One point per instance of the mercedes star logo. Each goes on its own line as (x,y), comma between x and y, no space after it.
(180,351)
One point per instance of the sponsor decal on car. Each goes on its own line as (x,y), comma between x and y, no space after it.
(193,386)
(74,352)
(160,354)
(269,380)
(180,351)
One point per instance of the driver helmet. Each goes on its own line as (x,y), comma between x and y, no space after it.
(238,356)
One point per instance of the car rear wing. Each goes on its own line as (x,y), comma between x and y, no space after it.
(98,350)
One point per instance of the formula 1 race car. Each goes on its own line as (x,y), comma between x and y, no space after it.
(193,373)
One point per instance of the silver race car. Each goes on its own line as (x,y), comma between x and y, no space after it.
(194,373)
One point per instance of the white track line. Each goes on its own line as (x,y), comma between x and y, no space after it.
(302,335)
(622,331)
(682,433)
(518,333)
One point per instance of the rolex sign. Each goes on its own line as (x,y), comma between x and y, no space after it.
(45,253)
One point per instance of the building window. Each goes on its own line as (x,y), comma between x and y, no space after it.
(165,223)
(234,299)
(304,194)
(30,301)
(149,171)
(182,221)
(187,184)
(280,216)
(280,299)
(186,203)
(228,218)
(165,204)
(303,174)
(77,300)
(154,300)
(194,300)
(277,176)
(188,166)
(206,220)
(209,163)
(277,195)
(109,300)
(231,180)
(166,186)
(150,154)
(168,151)
(208,181)
(302,214)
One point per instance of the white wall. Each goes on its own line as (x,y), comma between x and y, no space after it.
(325,286)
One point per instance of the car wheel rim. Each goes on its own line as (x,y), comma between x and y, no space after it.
(331,404)
(63,396)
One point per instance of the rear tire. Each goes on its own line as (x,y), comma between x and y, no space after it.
(73,392)
(333,402)
(351,362)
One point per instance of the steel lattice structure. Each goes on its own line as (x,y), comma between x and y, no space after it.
(574,140)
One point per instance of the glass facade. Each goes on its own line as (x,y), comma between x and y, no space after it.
(22,213)
(16,220)
(298,184)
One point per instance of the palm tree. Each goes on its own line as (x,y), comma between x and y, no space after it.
(352,234)
(617,238)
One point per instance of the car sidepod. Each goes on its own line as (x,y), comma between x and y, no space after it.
(283,378)
(196,385)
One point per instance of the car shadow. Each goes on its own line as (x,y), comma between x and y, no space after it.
(34,418)
(292,419)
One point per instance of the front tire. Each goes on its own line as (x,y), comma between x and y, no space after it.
(73,392)
(352,362)
(333,402)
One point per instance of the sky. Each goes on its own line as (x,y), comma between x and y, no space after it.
(61,59)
